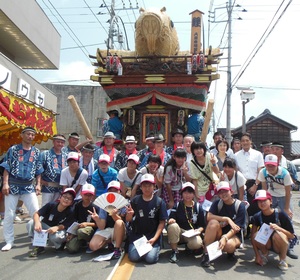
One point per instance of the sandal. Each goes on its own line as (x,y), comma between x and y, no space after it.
(36,251)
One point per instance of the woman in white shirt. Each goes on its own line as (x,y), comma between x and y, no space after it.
(235,178)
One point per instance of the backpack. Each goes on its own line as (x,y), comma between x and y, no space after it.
(237,204)
(277,222)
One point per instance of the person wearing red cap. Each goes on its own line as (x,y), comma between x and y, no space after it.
(224,224)
(147,214)
(73,176)
(282,228)
(185,215)
(103,175)
(111,228)
(86,225)
(57,217)
(278,182)
(130,177)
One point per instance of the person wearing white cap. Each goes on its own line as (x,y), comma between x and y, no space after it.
(148,215)
(111,228)
(103,175)
(107,147)
(73,176)
(130,148)
(21,181)
(130,177)
(278,182)
(224,224)
(149,147)
(279,222)
(185,215)
(86,225)
(57,217)
(54,161)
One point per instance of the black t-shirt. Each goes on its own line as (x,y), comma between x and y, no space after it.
(283,218)
(81,213)
(52,217)
(147,215)
(229,211)
(188,217)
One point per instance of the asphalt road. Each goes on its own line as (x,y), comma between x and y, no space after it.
(16,264)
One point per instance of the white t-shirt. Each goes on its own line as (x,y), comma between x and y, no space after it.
(66,179)
(123,177)
(241,181)
(159,172)
(276,184)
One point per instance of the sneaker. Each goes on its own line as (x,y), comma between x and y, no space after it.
(117,253)
(231,256)
(17,219)
(36,251)
(7,247)
(290,253)
(205,261)
(61,247)
(283,265)
(88,250)
(174,256)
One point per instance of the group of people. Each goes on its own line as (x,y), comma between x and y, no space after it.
(213,192)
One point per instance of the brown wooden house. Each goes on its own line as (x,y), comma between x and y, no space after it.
(267,127)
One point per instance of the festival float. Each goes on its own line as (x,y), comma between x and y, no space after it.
(157,86)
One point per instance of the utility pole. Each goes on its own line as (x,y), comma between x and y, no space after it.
(212,15)
(114,25)
(229,85)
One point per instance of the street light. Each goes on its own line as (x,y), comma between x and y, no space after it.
(246,96)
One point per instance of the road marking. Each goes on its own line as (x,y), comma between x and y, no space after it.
(122,270)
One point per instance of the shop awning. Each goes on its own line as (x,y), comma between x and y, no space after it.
(17,113)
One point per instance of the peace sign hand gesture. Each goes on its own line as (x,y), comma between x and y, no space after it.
(213,159)
(94,214)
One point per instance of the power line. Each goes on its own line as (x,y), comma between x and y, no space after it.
(261,41)
(95,17)
(81,47)
(275,88)
(91,45)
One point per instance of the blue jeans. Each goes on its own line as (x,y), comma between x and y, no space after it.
(279,202)
(151,257)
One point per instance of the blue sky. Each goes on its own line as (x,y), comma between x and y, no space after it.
(272,73)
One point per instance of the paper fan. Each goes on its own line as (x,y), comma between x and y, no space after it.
(110,201)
